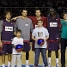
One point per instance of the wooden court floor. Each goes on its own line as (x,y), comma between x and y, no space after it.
(31,58)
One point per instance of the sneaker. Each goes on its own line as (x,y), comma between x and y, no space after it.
(43,65)
(62,66)
(57,65)
(27,66)
(3,65)
(49,65)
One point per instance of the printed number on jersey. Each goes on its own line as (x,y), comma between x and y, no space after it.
(7,28)
(53,24)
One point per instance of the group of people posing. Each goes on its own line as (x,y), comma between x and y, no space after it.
(22,29)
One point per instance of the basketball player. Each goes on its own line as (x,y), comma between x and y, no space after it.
(25,24)
(53,25)
(6,35)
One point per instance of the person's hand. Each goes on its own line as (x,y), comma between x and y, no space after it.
(45,39)
(14,18)
(15,33)
(1,44)
(40,42)
(36,40)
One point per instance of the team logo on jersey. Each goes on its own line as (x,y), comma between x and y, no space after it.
(40,34)
(7,28)
(26,24)
(53,24)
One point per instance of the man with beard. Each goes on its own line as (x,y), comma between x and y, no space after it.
(25,25)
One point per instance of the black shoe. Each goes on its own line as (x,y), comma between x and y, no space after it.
(62,66)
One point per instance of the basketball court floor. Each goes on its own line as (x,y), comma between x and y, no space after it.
(31,59)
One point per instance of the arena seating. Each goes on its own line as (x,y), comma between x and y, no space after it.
(15,6)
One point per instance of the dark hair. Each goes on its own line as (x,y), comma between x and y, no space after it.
(18,30)
(64,13)
(39,20)
(6,12)
(23,9)
(37,9)
(52,10)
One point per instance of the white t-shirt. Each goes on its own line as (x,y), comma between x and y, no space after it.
(40,33)
(16,41)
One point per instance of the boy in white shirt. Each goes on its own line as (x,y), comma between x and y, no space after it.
(40,33)
(17,56)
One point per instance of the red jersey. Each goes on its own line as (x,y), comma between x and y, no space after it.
(34,20)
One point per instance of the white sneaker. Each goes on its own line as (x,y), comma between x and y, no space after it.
(49,65)
(43,65)
(57,65)
(3,65)
(27,66)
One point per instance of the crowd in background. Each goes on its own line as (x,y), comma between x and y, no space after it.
(33,3)
(16,6)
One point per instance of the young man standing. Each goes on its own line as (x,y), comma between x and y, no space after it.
(6,35)
(53,26)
